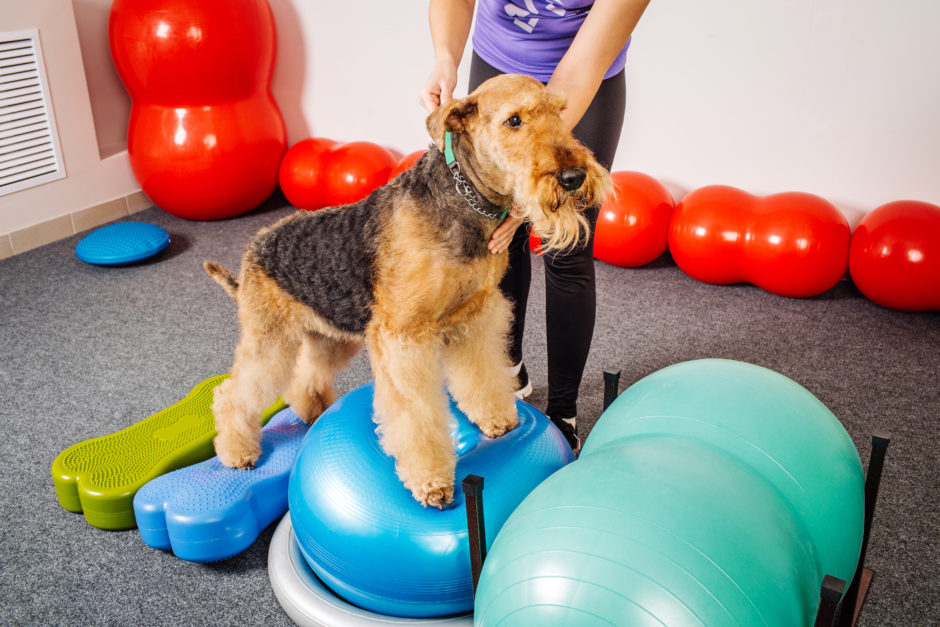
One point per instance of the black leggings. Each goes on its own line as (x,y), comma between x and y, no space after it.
(570,297)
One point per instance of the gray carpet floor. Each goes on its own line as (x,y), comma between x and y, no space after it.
(88,350)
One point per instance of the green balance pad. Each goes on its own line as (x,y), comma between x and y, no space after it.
(99,477)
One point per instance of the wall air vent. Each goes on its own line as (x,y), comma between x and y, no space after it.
(29,144)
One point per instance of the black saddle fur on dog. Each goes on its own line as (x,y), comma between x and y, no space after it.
(326,258)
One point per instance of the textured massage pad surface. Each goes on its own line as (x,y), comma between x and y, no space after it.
(122,243)
(99,477)
(208,512)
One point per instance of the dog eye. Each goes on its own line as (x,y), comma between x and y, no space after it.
(514,122)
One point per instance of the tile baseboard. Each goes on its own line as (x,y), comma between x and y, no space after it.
(60,227)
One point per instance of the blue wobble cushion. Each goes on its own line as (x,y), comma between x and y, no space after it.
(208,512)
(122,243)
(364,535)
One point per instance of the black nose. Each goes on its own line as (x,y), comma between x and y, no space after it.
(571,179)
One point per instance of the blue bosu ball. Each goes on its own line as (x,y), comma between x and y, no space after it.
(365,536)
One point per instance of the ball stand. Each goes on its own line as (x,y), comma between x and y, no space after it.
(308,602)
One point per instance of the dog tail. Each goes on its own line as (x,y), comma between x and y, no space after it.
(223,276)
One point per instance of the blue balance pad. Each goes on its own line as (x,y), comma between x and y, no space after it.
(122,243)
(208,512)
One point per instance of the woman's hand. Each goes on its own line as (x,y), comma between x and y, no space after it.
(449,21)
(499,242)
(438,90)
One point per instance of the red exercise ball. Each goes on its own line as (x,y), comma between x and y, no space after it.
(405,163)
(205,137)
(792,244)
(634,221)
(894,257)
(535,242)
(352,171)
(301,174)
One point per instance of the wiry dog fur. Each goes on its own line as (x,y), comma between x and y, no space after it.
(406,272)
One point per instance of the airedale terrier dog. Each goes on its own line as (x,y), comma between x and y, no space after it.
(406,272)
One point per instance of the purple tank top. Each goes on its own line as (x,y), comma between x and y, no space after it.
(531,36)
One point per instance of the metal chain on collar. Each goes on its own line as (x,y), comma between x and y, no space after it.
(466,191)
(464,187)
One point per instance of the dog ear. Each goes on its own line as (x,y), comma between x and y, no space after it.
(559,101)
(452,117)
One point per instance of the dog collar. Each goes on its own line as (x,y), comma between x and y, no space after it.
(464,188)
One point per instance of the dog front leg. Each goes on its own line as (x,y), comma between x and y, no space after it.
(412,415)
(477,363)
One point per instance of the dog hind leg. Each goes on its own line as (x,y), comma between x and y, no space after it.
(319,358)
(261,370)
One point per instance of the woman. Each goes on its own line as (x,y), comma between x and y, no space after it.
(578,49)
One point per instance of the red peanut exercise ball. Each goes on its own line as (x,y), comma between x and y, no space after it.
(791,244)
(405,163)
(894,257)
(352,171)
(301,174)
(535,242)
(205,137)
(634,221)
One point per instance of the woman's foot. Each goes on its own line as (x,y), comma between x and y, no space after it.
(522,377)
(569,429)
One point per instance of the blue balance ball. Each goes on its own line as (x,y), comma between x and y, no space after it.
(366,537)
(711,492)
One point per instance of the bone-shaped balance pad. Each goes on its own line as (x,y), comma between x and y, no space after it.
(99,477)
(208,512)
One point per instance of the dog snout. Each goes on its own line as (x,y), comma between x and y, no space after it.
(572,179)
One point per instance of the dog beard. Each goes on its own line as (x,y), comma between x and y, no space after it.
(557,215)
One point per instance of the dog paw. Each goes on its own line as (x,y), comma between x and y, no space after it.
(238,458)
(435,495)
(238,462)
(309,408)
(307,413)
(498,426)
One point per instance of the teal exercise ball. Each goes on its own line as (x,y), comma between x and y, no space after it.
(769,422)
(711,492)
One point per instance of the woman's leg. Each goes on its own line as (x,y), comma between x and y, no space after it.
(569,278)
(570,295)
(570,304)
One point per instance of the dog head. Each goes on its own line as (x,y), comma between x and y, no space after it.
(509,138)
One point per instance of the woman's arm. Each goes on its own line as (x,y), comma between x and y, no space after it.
(600,39)
(450,28)
(578,75)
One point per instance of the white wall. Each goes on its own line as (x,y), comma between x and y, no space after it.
(91,180)
(110,104)
(839,98)
(835,97)
(351,70)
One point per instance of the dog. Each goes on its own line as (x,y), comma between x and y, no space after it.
(407,273)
